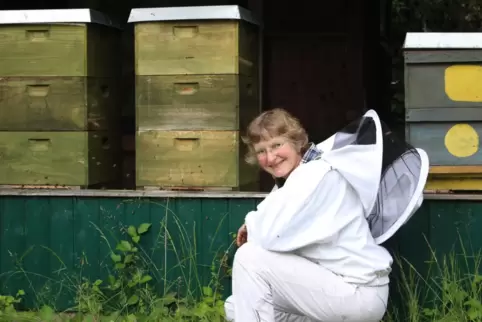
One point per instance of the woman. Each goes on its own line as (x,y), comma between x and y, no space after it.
(308,252)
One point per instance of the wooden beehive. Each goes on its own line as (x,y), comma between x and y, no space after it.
(64,42)
(196,102)
(196,92)
(82,158)
(443,95)
(188,132)
(195,40)
(193,159)
(58,104)
(59,70)
(59,98)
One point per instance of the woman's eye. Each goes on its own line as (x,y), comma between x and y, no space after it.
(277,145)
(260,152)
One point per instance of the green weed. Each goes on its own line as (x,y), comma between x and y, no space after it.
(450,291)
(137,287)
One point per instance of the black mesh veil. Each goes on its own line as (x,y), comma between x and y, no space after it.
(388,173)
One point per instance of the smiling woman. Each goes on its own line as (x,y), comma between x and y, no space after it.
(311,250)
(276,141)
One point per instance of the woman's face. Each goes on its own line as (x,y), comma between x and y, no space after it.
(277,156)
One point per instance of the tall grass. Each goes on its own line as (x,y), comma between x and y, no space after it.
(449,291)
(137,286)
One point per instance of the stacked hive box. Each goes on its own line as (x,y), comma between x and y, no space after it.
(196,92)
(58,91)
(443,90)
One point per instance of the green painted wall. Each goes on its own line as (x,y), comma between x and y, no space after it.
(446,228)
(41,231)
(38,231)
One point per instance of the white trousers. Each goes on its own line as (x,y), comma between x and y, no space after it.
(270,286)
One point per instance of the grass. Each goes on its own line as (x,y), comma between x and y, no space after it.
(450,291)
(137,287)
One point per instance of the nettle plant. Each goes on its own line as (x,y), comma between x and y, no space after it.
(129,292)
(8,302)
(127,288)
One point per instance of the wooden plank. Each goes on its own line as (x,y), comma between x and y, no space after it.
(12,239)
(442,56)
(443,114)
(58,158)
(444,191)
(190,159)
(132,193)
(194,47)
(452,196)
(36,235)
(166,194)
(174,188)
(12,186)
(61,221)
(454,178)
(58,103)
(474,170)
(454,184)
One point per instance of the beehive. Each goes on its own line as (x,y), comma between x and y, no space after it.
(59,79)
(59,70)
(82,158)
(196,91)
(196,102)
(443,95)
(58,104)
(64,42)
(195,40)
(193,159)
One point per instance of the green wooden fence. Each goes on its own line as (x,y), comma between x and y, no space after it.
(50,240)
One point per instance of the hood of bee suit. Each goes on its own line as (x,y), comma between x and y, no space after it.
(387,173)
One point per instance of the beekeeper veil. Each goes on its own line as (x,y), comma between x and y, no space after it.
(387,173)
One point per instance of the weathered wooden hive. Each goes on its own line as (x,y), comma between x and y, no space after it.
(443,99)
(196,91)
(59,80)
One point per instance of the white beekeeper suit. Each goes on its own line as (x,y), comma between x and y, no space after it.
(313,250)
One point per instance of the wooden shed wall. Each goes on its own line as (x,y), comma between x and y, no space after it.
(314,62)
(317,64)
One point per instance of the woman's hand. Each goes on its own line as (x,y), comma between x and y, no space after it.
(242,236)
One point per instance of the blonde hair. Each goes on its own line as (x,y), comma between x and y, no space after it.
(274,123)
